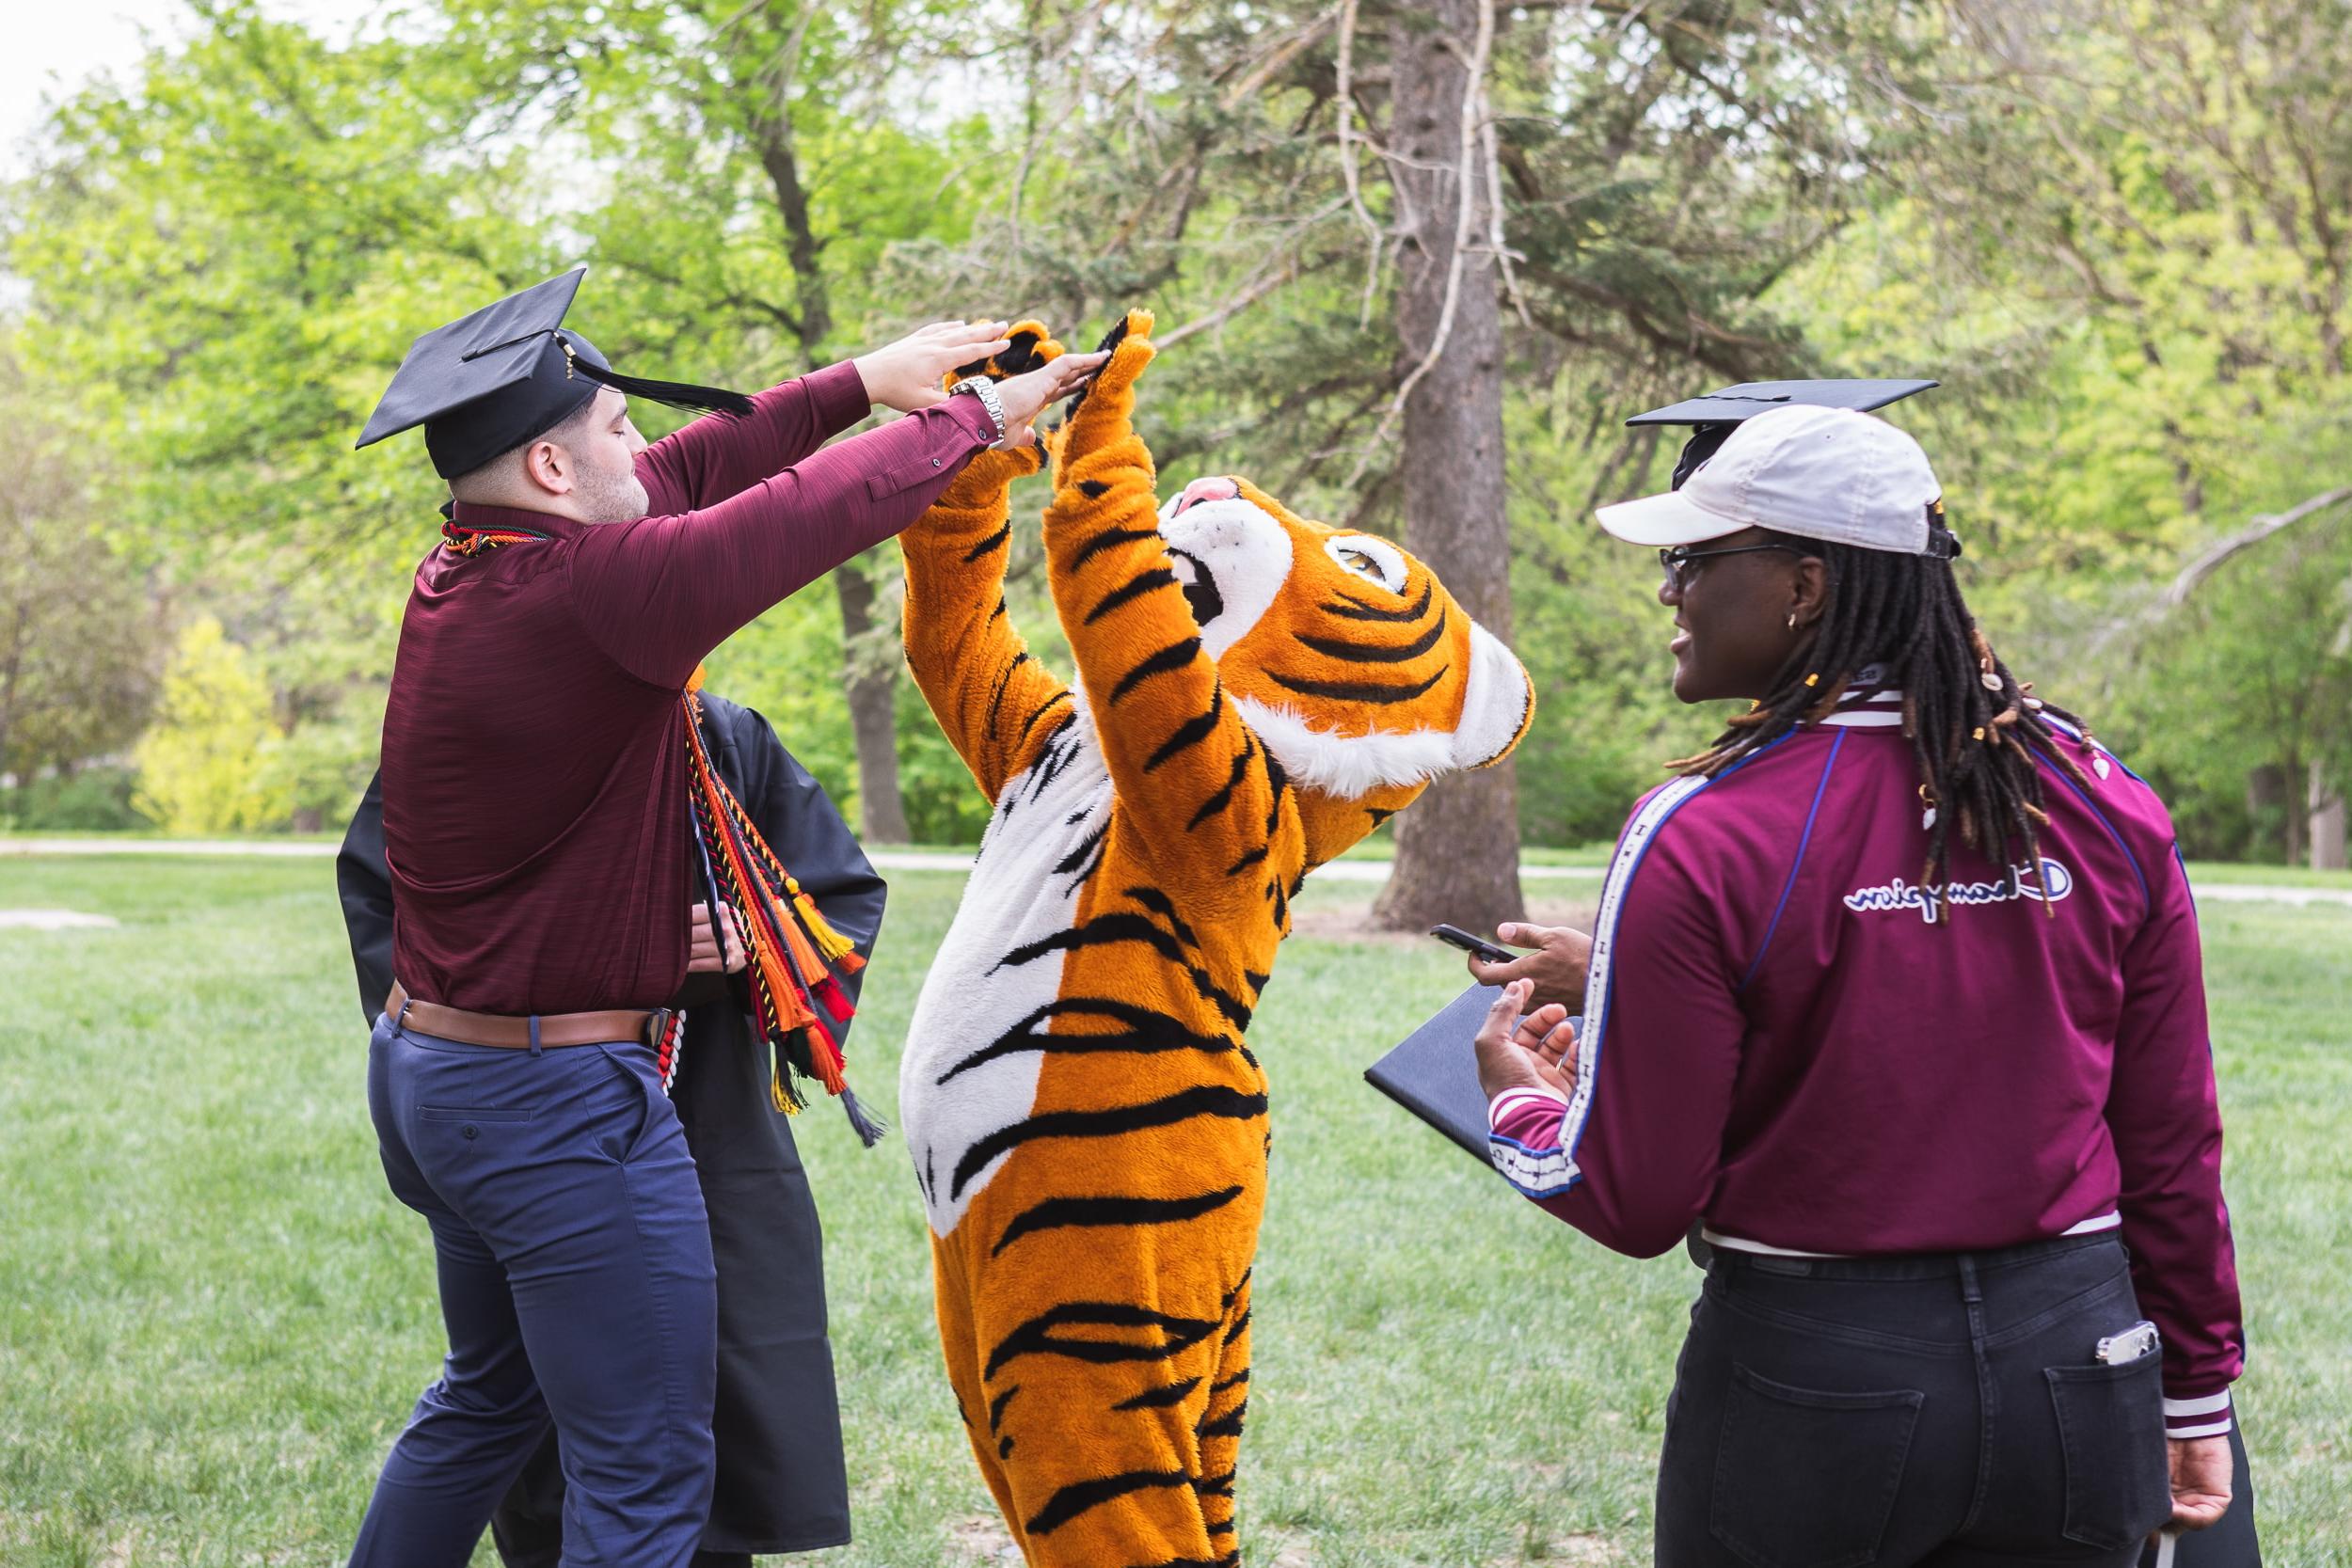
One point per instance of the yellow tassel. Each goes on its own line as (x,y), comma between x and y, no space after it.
(832,943)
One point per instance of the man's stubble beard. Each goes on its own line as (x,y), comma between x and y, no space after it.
(616,497)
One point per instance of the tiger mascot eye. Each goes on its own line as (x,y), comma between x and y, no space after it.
(1254,693)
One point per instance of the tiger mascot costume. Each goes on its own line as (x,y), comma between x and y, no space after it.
(1255,693)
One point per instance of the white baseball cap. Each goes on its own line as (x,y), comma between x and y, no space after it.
(1818,473)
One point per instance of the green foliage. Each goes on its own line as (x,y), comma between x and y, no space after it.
(2253,672)
(2116,233)
(78,643)
(208,766)
(92,800)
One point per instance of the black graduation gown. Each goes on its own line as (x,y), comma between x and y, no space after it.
(781,1485)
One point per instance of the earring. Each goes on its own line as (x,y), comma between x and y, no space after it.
(1793,620)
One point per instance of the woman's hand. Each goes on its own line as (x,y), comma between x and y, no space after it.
(2201,1472)
(1556,968)
(912,372)
(719,950)
(1535,1051)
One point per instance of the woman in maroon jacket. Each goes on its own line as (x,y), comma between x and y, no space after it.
(1895,996)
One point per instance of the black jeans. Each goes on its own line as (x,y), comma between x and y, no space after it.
(1944,1412)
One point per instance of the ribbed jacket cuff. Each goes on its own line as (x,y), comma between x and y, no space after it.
(1510,1099)
(2205,1416)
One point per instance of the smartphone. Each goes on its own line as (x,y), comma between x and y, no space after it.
(1453,936)
(2134,1342)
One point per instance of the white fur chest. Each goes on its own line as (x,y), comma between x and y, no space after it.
(1045,838)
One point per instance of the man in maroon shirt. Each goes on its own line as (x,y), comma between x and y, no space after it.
(537,829)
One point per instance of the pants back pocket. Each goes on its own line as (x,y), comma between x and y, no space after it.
(2110,1423)
(1805,1477)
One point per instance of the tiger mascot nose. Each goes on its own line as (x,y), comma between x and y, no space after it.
(1213,488)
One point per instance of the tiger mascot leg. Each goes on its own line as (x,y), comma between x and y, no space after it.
(1255,692)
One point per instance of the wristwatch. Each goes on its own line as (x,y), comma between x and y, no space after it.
(984,389)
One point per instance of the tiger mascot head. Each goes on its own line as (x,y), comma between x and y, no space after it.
(1342,651)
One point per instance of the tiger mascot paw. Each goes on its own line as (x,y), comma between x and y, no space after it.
(1254,693)
(1032,345)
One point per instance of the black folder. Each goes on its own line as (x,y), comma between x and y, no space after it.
(1434,1072)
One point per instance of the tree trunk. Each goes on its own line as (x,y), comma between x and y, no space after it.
(870,663)
(2327,823)
(2292,817)
(1458,849)
(870,676)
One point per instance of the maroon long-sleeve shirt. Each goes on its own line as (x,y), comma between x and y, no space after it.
(1788,1039)
(534,769)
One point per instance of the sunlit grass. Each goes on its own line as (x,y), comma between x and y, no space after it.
(212,1315)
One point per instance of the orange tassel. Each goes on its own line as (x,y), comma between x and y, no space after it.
(805,958)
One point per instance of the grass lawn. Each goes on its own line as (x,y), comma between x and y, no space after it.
(213,1316)
(2267,876)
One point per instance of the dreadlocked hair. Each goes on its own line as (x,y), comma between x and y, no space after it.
(1973,728)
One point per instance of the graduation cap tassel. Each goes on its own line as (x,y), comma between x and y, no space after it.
(675,394)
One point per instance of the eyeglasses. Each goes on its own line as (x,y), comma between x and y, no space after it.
(1678,560)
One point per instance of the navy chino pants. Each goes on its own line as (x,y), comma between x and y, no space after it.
(577,1285)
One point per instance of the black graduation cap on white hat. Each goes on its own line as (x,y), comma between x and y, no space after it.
(1717,413)
(489,382)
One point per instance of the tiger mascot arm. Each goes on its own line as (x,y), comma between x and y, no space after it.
(993,700)
(1209,806)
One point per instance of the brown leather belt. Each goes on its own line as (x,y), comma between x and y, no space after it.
(455,1023)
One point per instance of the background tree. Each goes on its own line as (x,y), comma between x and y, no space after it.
(205,766)
(77,646)
(1457,857)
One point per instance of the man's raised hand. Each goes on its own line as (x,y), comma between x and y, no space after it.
(1025,397)
(912,372)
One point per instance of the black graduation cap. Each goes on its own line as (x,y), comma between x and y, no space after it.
(489,382)
(1718,414)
